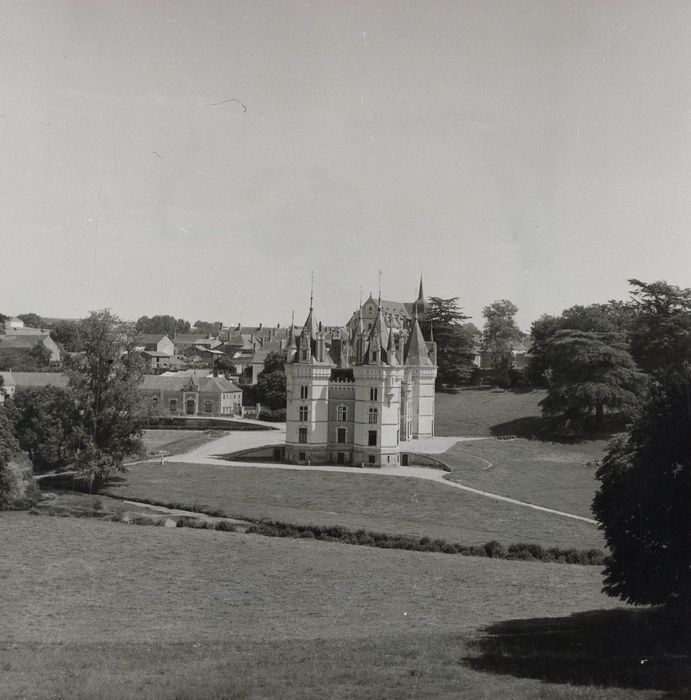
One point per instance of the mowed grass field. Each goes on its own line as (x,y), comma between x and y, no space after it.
(391,504)
(95,609)
(558,476)
(483,411)
(174,442)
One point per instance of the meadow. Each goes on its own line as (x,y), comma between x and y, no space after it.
(107,610)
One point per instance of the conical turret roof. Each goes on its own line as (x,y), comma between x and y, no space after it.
(416,348)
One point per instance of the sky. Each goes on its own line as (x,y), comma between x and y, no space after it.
(205,158)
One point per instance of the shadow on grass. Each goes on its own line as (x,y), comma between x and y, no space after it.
(638,649)
(549,430)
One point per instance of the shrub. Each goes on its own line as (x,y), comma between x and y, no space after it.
(495,550)
(225,526)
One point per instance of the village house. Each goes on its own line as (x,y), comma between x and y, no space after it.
(18,340)
(14,382)
(191,395)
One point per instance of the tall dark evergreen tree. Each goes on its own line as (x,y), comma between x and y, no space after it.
(443,320)
(643,501)
(661,326)
(589,373)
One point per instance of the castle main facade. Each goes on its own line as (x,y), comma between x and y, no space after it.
(355,394)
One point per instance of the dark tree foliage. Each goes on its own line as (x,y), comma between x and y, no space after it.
(37,359)
(498,337)
(609,318)
(661,326)
(590,372)
(455,340)
(32,320)
(44,418)
(66,334)
(643,501)
(164,324)
(271,382)
(106,392)
(17,487)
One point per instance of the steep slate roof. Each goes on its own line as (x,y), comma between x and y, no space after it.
(162,382)
(19,342)
(153,338)
(416,348)
(27,380)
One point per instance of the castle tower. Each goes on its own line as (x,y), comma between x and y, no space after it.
(307,403)
(377,400)
(420,373)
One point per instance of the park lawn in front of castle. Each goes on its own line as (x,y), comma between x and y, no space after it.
(389,504)
(102,610)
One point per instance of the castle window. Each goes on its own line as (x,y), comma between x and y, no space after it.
(342,414)
(154,402)
(373,394)
(302,436)
(372,441)
(301,456)
(370,459)
(304,413)
(208,406)
(173,405)
(341,436)
(304,392)
(373,416)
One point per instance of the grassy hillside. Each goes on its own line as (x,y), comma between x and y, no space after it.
(105,610)
(374,502)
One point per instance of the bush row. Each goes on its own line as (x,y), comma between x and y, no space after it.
(336,533)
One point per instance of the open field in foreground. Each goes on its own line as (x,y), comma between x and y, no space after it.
(106,610)
(554,475)
(390,504)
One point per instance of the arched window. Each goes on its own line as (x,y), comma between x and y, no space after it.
(373,416)
(342,414)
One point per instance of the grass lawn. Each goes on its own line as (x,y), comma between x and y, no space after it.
(175,442)
(106,610)
(547,474)
(394,505)
(479,411)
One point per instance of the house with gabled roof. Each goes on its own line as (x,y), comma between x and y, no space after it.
(191,395)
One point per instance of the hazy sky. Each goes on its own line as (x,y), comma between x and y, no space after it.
(536,151)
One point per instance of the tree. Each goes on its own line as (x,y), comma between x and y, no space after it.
(612,317)
(66,334)
(36,359)
(271,382)
(661,326)
(590,372)
(455,340)
(163,324)
(44,419)
(643,501)
(17,487)
(498,337)
(107,398)
(32,320)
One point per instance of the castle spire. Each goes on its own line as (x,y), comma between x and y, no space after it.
(416,348)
